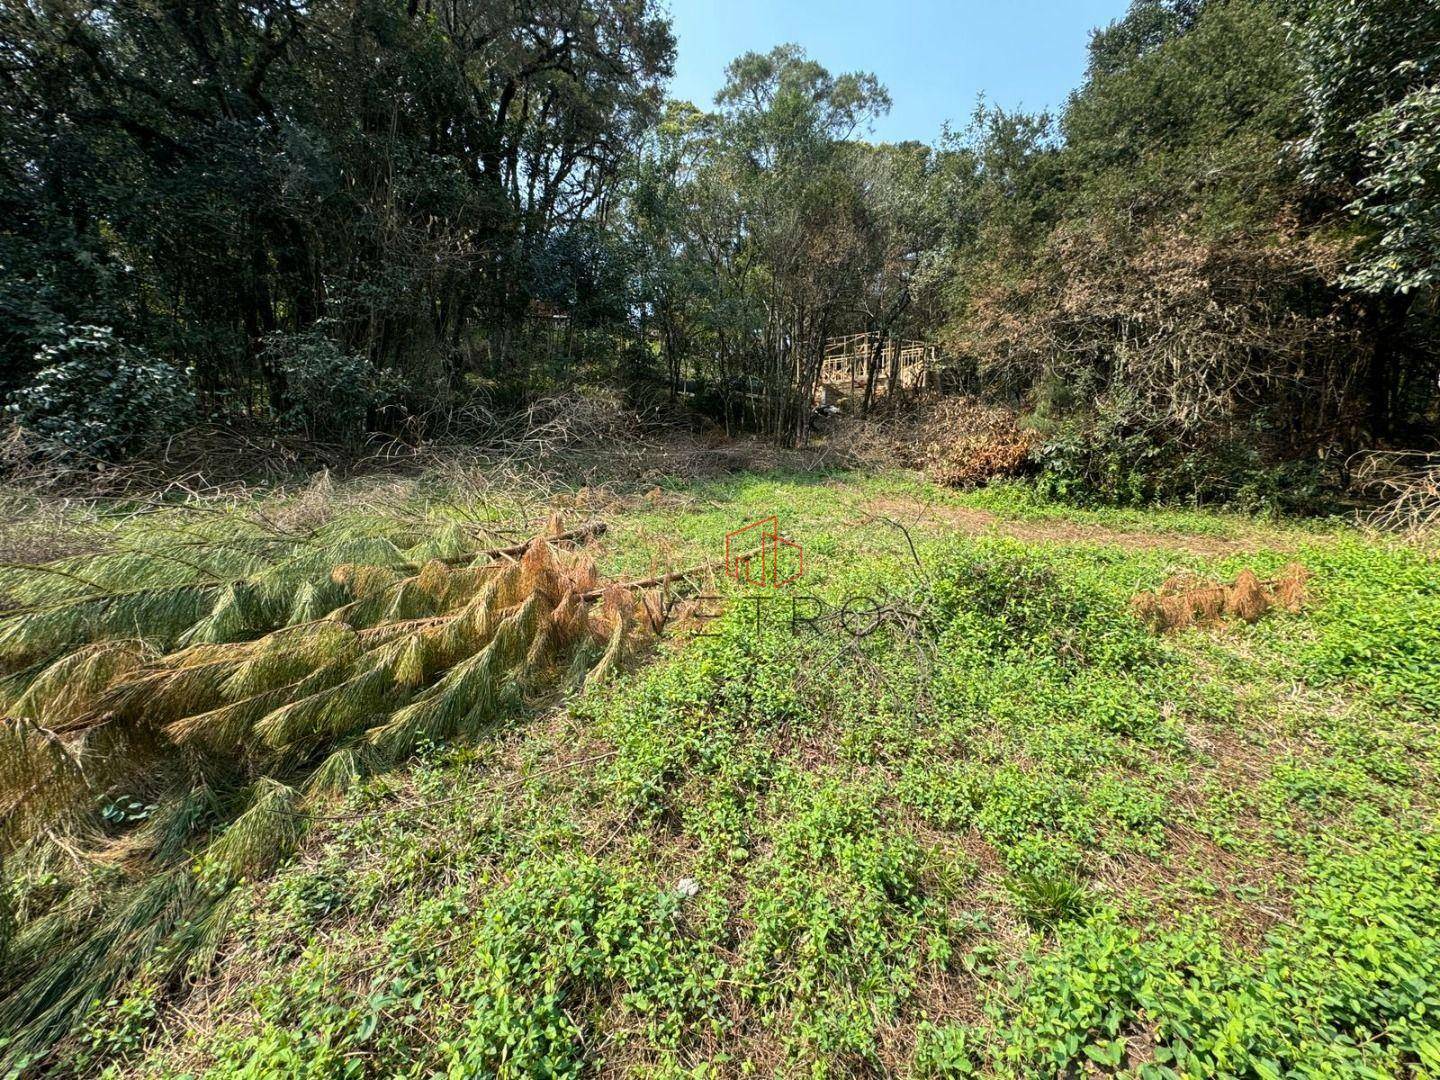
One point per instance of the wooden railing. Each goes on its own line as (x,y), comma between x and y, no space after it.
(848,362)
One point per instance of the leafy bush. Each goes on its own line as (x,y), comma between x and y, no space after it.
(95,395)
(1098,462)
(1110,458)
(1374,114)
(944,1051)
(329,393)
(1180,260)
(997,601)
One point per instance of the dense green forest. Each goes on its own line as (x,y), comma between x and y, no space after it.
(1213,272)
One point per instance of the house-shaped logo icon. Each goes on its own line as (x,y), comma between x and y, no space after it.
(759,555)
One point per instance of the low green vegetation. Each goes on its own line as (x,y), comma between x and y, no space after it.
(987,823)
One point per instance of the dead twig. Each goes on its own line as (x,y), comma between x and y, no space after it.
(585,532)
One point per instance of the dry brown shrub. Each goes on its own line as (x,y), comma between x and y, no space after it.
(1191,330)
(1181,582)
(1145,606)
(652,603)
(955,441)
(1175,612)
(971,462)
(1186,600)
(1289,595)
(1207,602)
(1246,599)
(1289,591)
(539,572)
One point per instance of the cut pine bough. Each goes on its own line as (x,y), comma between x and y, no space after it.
(1186,600)
(230,709)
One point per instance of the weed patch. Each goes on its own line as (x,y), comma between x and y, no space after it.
(1009,830)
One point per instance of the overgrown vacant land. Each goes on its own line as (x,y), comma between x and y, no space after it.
(382,381)
(990,821)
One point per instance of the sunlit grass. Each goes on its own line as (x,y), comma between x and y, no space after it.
(1011,830)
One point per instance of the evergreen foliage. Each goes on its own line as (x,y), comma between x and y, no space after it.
(1215,262)
(239,687)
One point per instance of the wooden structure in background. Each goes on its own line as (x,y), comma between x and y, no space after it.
(849,361)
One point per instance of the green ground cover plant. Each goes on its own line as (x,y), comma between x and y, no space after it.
(1008,831)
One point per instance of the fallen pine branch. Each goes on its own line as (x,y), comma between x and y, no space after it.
(657,580)
(588,531)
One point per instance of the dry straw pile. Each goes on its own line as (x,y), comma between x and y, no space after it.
(1186,600)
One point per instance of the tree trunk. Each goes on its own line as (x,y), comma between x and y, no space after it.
(1387,363)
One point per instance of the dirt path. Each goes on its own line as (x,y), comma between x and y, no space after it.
(915,512)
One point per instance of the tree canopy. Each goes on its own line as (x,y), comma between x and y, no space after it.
(1223,243)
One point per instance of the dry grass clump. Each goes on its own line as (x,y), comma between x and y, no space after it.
(309,509)
(1409,484)
(1186,600)
(955,441)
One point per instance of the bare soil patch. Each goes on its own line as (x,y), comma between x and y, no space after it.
(915,512)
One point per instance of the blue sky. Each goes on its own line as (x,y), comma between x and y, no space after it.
(935,56)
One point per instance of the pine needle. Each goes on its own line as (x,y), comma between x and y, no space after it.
(267,832)
(206,663)
(609,660)
(338,773)
(67,689)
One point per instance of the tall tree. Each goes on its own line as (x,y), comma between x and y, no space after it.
(1372,99)
(767,205)
(203,175)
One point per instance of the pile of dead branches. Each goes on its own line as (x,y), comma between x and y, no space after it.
(955,441)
